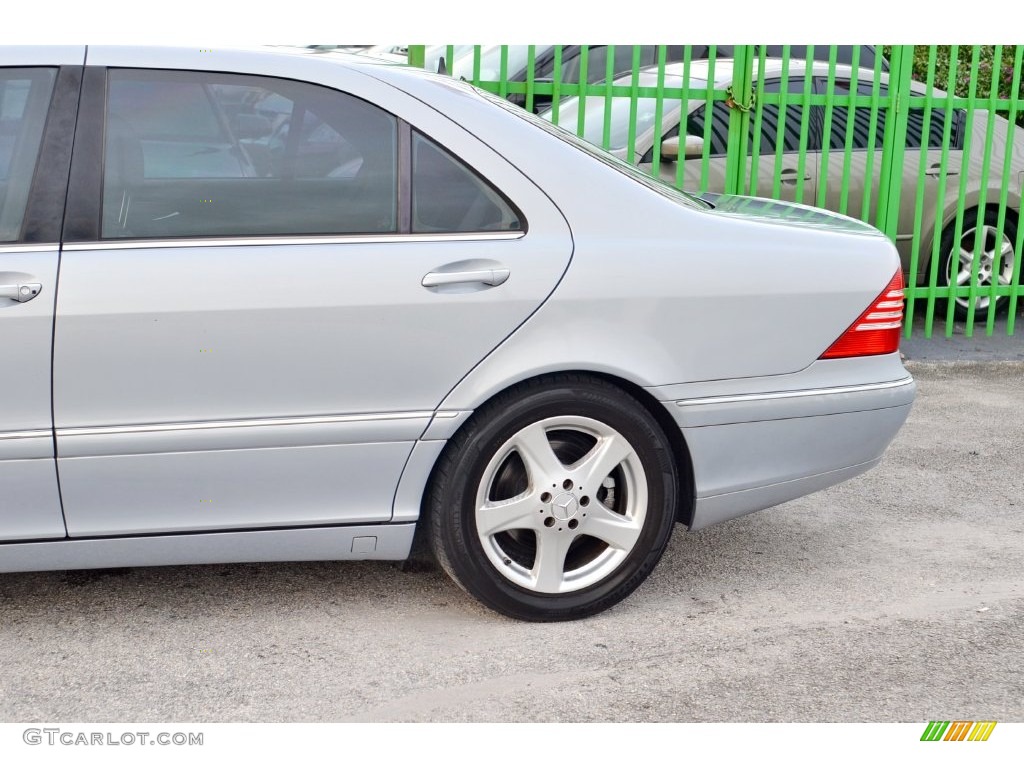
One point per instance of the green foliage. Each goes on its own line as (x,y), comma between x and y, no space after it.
(987,68)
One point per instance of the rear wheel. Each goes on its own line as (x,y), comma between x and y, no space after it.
(992,261)
(555,501)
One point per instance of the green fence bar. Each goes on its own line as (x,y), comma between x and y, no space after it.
(890,183)
(920,190)
(684,101)
(581,116)
(634,86)
(659,113)
(851,122)
(951,292)
(531,72)
(876,90)
(805,125)
(936,257)
(1006,180)
(739,120)
(979,224)
(783,115)
(755,148)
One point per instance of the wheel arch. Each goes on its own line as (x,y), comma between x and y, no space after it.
(680,450)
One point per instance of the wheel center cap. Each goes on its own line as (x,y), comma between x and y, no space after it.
(564,507)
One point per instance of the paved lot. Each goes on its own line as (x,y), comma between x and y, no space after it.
(898,596)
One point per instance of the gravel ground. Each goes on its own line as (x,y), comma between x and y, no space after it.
(898,596)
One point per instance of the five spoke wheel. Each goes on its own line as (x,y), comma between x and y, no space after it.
(983,254)
(555,500)
(561,504)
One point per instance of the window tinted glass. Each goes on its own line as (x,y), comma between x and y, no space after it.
(863,135)
(203,154)
(449,197)
(24,102)
(862,122)
(937,121)
(794,119)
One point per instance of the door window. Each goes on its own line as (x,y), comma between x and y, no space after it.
(24,101)
(192,154)
(447,196)
(862,129)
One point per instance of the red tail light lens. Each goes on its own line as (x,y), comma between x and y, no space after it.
(877,331)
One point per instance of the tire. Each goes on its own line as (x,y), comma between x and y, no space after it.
(961,260)
(555,500)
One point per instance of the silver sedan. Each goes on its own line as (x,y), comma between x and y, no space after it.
(286,305)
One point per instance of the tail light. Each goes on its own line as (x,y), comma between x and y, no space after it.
(877,331)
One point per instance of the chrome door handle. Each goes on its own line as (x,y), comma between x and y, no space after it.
(485,276)
(20,292)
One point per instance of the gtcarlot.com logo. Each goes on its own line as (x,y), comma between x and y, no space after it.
(57,737)
(958,730)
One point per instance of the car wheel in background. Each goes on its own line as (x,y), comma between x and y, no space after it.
(994,259)
(556,500)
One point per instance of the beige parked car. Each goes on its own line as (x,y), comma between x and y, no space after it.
(802,183)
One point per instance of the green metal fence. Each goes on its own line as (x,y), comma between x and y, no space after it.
(924,142)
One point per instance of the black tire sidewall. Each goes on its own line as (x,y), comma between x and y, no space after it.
(489,431)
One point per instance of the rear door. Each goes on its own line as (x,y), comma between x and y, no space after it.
(278,285)
(38,98)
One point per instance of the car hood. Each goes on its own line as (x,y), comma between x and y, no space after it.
(790,214)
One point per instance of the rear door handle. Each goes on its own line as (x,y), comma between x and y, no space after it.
(789,176)
(485,276)
(20,291)
(936,170)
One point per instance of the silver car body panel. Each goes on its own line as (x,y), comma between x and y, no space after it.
(200,386)
(209,490)
(30,507)
(351,542)
(743,462)
(37,56)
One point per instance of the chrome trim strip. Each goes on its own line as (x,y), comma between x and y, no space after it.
(34,248)
(236,423)
(447,414)
(26,434)
(846,390)
(185,242)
